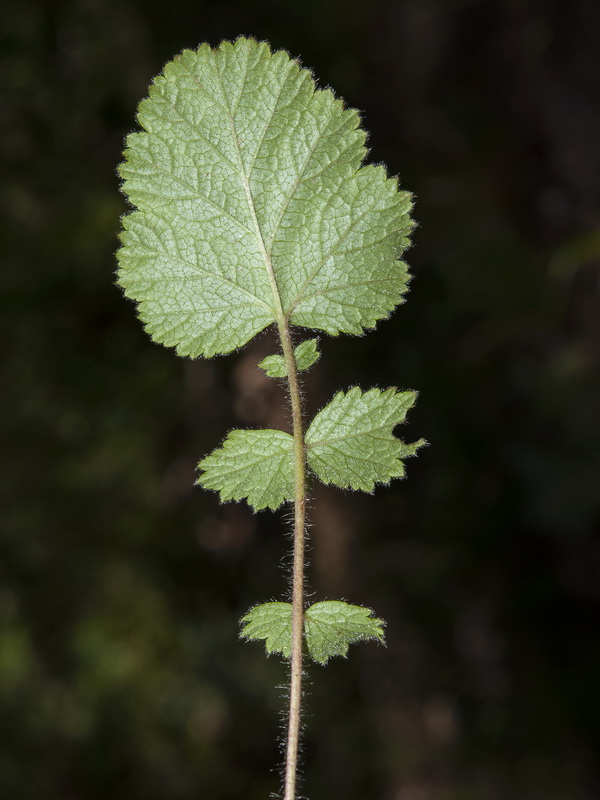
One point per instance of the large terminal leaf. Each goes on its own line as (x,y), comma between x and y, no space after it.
(252,205)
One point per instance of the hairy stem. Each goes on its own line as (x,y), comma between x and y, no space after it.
(293,733)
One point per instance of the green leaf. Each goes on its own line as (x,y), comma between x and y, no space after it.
(273,623)
(257,465)
(306,354)
(330,627)
(274,366)
(252,204)
(351,442)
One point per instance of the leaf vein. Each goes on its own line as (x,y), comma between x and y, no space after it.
(328,255)
(202,271)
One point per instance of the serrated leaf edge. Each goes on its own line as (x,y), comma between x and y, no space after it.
(378,636)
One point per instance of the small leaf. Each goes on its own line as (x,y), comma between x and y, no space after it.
(351,442)
(332,626)
(257,465)
(329,628)
(306,354)
(274,366)
(273,623)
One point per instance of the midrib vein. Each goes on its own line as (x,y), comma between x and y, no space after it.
(248,192)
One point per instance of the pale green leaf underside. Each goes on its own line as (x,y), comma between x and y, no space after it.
(257,465)
(306,354)
(330,627)
(252,202)
(351,444)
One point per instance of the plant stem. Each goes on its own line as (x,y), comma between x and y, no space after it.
(293,733)
(293,737)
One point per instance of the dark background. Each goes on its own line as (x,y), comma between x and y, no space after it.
(121,585)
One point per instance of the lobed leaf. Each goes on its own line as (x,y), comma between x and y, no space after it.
(252,204)
(332,626)
(273,623)
(306,354)
(257,465)
(351,444)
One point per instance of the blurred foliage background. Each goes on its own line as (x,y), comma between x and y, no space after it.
(121,585)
